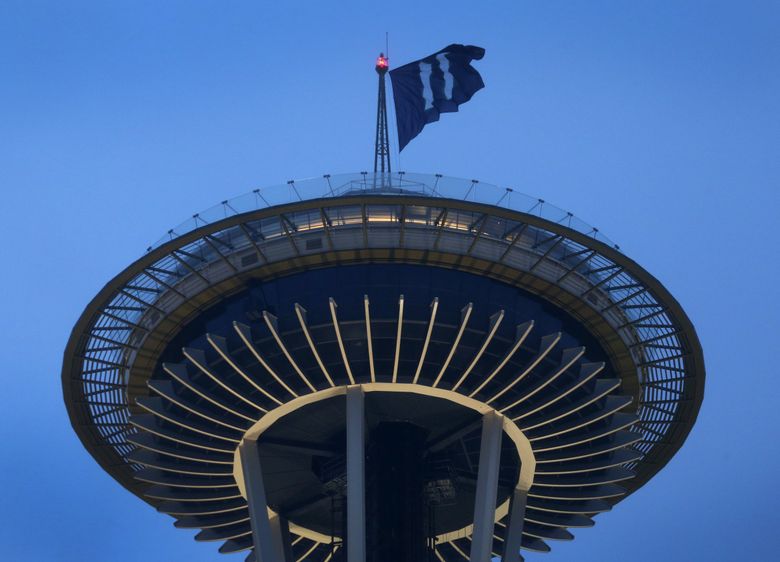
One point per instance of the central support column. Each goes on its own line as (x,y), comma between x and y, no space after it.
(395,493)
(487,487)
(356,475)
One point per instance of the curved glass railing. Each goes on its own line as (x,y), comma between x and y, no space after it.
(399,183)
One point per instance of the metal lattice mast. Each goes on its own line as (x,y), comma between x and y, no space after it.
(382,144)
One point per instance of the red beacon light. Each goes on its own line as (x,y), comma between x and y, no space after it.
(381,63)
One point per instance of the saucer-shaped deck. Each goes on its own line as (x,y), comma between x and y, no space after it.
(575,344)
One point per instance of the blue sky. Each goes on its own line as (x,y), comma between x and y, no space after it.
(656,121)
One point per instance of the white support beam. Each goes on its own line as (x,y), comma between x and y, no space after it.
(369,339)
(487,487)
(465,314)
(332,304)
(356,475)
(266,531)
(514,529)
(399,330)
(495,322)
(434,308)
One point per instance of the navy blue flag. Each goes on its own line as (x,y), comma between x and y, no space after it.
(437,84)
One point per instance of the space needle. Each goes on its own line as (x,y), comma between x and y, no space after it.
(384,366)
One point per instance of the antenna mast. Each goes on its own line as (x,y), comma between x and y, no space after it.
(382,145)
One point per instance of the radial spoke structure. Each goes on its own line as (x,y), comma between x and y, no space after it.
(534,373)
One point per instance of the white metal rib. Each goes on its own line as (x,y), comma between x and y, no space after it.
(173,497)
(570,356)
(466,314)
(458,550)
(609,430)
(170,369)
(585,523)
(595,368)
(270,321)
(300,312)
(201,525)
(180,511)
(613,460)
(332,304)
(551,341)
(177,470)
(398,337)
(522,332)
(179,455)
(611,476)
(170,437)
(547,421)
(306,554)
(368,337)
(198,413)
(219,346)
(592,495)
(496,322)
(200,363)
(244,334)
(619,405)
(188,427)
(331,553)
(434,308)
(226,491)
(238,535)
(159,479)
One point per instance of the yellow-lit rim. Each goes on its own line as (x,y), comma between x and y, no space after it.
(522,444)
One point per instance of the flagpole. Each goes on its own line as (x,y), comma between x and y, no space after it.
(382,141)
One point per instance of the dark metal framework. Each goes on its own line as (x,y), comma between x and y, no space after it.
(651,343)
(382,142)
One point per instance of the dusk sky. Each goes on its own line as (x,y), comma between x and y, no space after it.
(658,122)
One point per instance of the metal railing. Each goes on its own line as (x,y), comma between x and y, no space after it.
(398,183)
